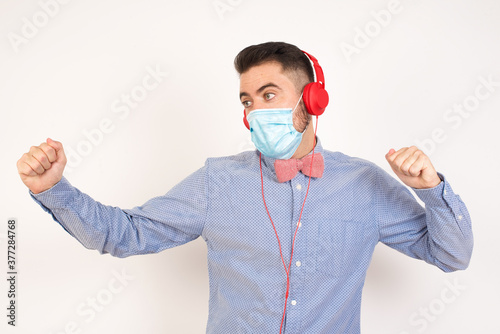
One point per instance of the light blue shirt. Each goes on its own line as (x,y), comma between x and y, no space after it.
(348,211)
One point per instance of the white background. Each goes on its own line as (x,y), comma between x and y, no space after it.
(64,79)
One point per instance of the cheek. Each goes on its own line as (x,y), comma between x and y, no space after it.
(300,118)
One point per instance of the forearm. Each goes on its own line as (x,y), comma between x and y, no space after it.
(105,228)
(162,222)
(94,225)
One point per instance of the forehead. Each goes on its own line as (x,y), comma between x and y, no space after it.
(262,74)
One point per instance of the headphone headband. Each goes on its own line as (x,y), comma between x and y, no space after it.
(320,77)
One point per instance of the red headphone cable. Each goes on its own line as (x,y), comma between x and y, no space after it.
(287,270)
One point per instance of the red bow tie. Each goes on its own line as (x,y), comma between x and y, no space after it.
(287,169)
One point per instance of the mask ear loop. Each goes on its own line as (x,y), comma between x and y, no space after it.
(298,102)
(293,111)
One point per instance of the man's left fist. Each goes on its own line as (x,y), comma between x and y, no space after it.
(413,167)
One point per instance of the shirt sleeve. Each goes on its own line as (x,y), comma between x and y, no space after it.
(162,222)
(440,233)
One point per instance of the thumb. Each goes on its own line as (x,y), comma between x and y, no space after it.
(55,144)
(391,152)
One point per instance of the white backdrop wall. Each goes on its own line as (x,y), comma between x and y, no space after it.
(395,80)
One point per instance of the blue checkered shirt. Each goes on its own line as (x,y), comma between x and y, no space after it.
(348,211)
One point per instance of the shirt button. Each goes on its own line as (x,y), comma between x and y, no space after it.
(298,263)
(459,217)
(445,191)
(298,186)
(294,302)
(299,223)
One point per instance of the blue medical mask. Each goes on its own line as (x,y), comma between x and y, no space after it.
(273,133)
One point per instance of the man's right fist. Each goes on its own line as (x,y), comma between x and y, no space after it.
(42,167)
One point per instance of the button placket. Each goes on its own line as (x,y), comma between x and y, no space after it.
(297,269)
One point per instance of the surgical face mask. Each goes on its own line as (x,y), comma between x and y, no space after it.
(273,133)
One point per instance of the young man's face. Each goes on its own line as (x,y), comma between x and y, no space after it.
(267,86)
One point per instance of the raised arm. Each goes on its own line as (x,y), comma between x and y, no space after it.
(440,234)
(163,222)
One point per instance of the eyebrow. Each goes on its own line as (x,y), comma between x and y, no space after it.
(270,84)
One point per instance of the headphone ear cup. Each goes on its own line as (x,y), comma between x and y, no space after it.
(245,121)
(315,98)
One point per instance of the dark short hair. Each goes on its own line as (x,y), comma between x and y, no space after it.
(291,58)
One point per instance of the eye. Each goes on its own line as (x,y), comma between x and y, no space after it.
(246,104)
(269,96)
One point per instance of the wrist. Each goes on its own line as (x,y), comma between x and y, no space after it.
(432,183)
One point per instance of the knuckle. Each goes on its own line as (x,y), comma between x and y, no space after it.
(26,157)
(39,168)
(45,146)
(51,154)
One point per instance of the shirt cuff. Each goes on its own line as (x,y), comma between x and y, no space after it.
(57,197)
(441,195)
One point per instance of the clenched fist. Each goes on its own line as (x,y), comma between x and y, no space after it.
(413,167)
(43,166)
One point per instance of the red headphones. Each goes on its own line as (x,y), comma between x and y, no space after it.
(315,96)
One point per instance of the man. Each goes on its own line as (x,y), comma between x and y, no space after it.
(242,207)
